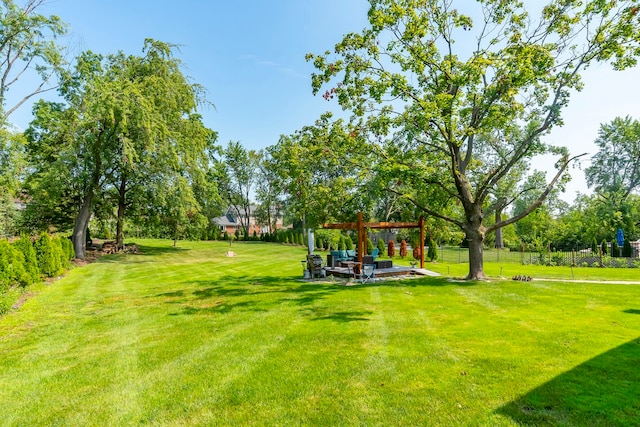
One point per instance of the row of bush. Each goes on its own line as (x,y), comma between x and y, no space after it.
(24,262)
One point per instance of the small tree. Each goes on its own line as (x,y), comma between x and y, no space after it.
(348,243)
(381,246)
(31,262)
(12,266)
(369,246)
(391,249)
(48,256)
(603,247)
(594,246)
(432,253)
(341,244)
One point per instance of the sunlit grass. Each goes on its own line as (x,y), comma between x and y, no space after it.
(187,336)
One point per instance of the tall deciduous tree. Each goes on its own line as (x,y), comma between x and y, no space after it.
(27,45)
(236,178)
(128,122)
(27,53)
(615,168)
(317,181)
(449,77)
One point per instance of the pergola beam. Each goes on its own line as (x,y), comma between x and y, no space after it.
(360,226)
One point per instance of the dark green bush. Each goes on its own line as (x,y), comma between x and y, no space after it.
(381,246)
(58,249)
(48,255)
(25,246)
(627,249)
(12,270)
(432,252)
(67,248)
(348,243)
(369,246)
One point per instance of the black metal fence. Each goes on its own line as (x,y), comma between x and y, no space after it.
(454,254)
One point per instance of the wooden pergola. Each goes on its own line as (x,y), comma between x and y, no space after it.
(361,226)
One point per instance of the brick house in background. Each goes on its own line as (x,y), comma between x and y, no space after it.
(230,221)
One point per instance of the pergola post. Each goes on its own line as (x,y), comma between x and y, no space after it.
(362,226)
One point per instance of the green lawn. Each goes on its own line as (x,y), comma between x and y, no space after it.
(187,336)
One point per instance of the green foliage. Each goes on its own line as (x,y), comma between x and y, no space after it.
(604,247)
(49,255)
(369,246)
(12,267)
(329,238)
(594,246)
(381,246)
(60,251)
(225,235)
(27,46)
(453,122)
(25,246)
(616,165)
(126,134)
(317,183)
(432,252)
(348,243)
(341,244)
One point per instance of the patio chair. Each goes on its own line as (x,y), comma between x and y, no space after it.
(367,273)
(314,264)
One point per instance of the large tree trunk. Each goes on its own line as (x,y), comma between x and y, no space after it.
(122,192)
(475,233)
(79,235)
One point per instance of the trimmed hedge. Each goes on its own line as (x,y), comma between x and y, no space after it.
(31,262)
(49,254)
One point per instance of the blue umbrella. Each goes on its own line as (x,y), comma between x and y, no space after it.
(620,237)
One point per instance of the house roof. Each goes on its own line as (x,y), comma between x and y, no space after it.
(226,220)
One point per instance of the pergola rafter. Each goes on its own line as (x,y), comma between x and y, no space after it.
(361,227)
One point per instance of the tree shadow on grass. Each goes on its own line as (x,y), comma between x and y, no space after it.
(632,311)
(219,308)
(145,254)
(603,391)
(260,293)
(227,293)
(346,316)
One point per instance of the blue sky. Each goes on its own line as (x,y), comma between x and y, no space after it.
(249,54)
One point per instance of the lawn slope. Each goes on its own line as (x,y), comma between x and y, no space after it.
(187,336)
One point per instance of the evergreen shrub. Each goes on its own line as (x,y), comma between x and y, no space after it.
(48,256)
(24,245)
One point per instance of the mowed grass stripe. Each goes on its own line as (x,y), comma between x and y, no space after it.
(187,336)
